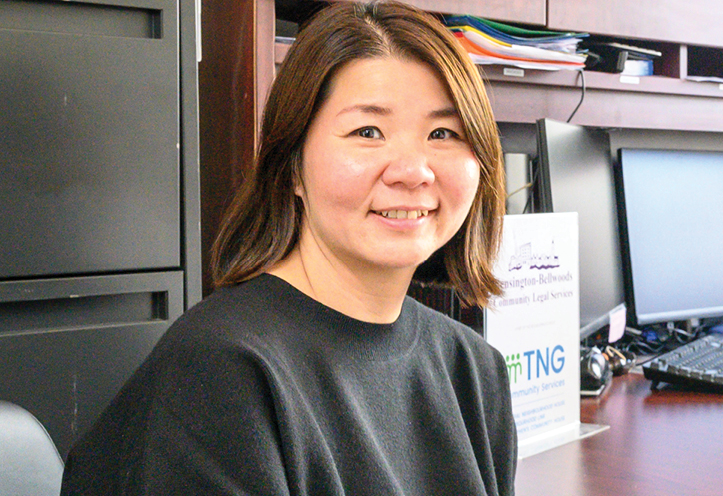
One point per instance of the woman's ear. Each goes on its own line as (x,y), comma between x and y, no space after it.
(297,166)
(298,186)
(297,178)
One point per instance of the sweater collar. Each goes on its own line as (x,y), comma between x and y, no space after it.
(342,333)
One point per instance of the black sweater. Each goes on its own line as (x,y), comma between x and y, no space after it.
(261,390)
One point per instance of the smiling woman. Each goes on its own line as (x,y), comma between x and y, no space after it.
(247,246)
(308,371)
(387,178)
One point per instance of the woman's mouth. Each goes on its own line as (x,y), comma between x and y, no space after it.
(403,214)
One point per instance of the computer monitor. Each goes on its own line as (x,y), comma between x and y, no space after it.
(575,174)
(671,206)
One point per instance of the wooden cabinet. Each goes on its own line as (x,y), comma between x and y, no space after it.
(696,22)
(653,103)
(663,101)
(521,11)
(227,109)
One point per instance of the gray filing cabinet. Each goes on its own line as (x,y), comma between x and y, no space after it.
(99,197)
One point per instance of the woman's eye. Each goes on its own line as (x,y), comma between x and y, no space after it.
(442,134)
(369,133)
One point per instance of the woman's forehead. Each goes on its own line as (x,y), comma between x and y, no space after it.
(386,79)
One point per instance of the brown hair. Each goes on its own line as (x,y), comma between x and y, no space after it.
(263,222)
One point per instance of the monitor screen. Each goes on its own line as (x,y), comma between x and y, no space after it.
(575,174)
(671,204)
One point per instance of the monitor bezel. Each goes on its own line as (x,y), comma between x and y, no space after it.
(634,318)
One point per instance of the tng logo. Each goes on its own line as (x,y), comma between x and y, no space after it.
(534,364)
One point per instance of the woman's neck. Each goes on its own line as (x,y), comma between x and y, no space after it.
(363,293)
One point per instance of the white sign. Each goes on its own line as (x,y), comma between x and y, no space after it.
(535,324)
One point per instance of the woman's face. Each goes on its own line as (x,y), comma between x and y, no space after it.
(388,176)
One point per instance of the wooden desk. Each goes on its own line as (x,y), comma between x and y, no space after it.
(660,443)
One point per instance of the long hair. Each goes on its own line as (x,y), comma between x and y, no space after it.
(263,222)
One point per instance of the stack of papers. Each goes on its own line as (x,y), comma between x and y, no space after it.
(489,42)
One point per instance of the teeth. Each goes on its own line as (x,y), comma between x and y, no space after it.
(404,214)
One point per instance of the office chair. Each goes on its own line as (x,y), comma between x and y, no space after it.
(30,464)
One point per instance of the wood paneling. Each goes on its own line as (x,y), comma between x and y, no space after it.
(521,11)
(696,22)
(227,109)
(605,81)
(514,102)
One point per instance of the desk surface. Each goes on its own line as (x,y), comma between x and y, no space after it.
(660,443)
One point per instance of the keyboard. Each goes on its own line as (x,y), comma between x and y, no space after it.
(698,363)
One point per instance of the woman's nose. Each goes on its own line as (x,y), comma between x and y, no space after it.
(409,166)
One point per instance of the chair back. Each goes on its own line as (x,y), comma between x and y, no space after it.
(30,464)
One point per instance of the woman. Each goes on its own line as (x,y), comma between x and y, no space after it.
(308,371)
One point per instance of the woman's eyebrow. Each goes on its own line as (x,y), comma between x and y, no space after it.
(443,113)
(379,110)
(366,109)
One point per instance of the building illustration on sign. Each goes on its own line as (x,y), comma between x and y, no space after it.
(525,257)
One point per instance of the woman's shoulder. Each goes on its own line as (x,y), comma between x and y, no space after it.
(445,327)
(455,338)
(247,305)
(229,330)
(250,318)
(204,364)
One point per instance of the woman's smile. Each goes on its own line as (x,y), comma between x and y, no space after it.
(403,214)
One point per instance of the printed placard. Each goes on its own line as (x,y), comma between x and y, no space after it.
(536,322)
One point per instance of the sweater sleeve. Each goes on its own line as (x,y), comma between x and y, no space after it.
(203,424)
(502,424)
(213,426)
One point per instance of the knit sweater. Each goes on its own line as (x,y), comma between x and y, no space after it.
(261,390)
